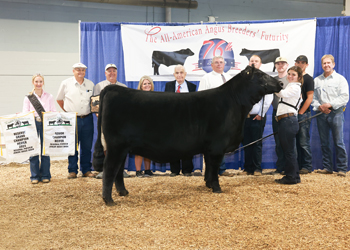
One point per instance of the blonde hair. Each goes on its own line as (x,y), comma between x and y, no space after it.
(33,78)
(145,78)
(327,56)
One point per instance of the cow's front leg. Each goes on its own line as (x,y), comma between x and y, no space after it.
(112,164)
(119,181)
(212,179)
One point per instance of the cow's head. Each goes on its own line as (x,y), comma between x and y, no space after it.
(260,83)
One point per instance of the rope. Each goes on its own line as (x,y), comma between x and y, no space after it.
(263,138)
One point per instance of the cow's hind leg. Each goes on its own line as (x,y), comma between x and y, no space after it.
(112,164)
(207,169)
(119,181)
(212,164)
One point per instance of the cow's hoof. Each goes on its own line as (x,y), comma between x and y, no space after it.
(123,193)
(109,203)
(217,190)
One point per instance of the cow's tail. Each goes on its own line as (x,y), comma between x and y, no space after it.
(98,155)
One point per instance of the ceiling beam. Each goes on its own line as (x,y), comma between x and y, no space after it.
(184,4)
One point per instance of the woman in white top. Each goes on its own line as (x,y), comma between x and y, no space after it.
(145,84)
(40,170)
(288,125)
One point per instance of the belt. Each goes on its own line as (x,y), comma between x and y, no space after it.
(83,116)
(251,115)
(38,119)
(278,118)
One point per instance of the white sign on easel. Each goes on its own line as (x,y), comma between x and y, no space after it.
(21,137)
(59,133)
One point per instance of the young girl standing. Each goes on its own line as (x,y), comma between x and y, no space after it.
(39,101)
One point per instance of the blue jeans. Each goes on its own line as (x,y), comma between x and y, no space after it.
(40,171)
(287,130)
(332,122)
(85,136)
(303,142)
(253,130)
(281,159)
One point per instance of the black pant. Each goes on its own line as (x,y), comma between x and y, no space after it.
(253,130)
(187,166)
(287,131)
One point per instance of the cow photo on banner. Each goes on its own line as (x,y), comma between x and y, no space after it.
(21,137)
(159,48)
(59,133)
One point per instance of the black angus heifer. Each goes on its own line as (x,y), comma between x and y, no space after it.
(267,56)
(169,58)
(169,126)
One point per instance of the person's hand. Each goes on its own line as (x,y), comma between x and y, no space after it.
(257,117)
(325,108)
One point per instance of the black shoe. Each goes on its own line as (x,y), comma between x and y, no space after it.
(173,174)
(187,174)
(148,173)
(139,174)
(286,181)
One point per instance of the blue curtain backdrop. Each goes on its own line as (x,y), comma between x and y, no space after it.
(101,44)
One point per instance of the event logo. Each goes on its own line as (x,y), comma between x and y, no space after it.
(17,123)
(215,47)
(59,121)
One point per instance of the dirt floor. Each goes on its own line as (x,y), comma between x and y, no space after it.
(163,212)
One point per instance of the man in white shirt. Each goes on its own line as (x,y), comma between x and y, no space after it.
(74,96)
(215,79)
(111,73)
(254,128)
(331,95)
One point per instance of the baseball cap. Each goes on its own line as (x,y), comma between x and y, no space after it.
(110,65)
(281,59)
(302,59)
(79,65)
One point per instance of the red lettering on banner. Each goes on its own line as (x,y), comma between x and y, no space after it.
(241,31)
(228,46)
(150,34)
(274,38)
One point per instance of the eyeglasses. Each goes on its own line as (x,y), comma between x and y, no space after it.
(219,62)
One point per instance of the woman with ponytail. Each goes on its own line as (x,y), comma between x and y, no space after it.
(288,127)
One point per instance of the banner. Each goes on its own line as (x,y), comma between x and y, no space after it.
(59,133)
(155,50)
(21,137)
